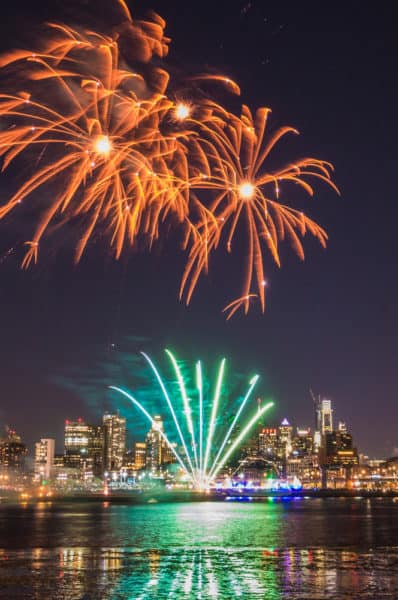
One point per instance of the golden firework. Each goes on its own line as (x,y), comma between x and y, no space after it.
(118,150)
(245,190)
(104,151)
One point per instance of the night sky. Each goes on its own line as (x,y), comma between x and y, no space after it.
(330,322)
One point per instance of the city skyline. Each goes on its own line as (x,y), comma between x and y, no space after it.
(261,457)
(306,418)
(134,436)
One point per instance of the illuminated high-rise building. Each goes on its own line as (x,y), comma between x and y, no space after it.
(158,452)
(95,450)
(77,439)
(84,446)
(12,452)
(285,431)
(114,441)
(302,442)
(268,442)
(44,458)
(139,455)
(324,416)
(155,446)
(339,449)
(317,441)
(168,456)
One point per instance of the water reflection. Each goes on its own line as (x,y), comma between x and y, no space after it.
(199,551)
(203,573)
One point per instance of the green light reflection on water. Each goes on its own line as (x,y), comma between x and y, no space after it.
(208,555)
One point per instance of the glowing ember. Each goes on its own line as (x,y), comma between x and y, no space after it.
(102,145)
(247,190)
(182,111)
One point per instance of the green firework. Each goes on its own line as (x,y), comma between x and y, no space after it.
(199,457)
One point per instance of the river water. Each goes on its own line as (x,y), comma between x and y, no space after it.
(308,549)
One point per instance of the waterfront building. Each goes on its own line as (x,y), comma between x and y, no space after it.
(59,461)
(376,475)
(268,442)
(168,456)
(70,478)
(139,455)
(12,452)
(158,453)
(95,449)
(77,437)
(306,468)
(44,458)
(339,450)
(338,458)
(82,459)
(114,427)
(155,446)
(285,431)
(303,442)
(254,470)
(250,448)
(389,469)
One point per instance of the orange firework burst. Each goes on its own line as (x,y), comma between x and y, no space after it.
(245,190)
(103,151)
(115,149)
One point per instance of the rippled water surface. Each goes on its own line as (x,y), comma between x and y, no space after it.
(302,549)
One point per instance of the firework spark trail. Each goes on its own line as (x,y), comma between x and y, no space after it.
(153,423)
(231,428)
(257,415)
(199,385)
(170,405)
(187,407)
(126,154)
(201,472)
(213,416)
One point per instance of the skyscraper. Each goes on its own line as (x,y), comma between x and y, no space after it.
(44,458)
(324,416)
(12,451)
(339,449)
(77,434)
(154,446)
(303,442)
(285,431)
(95,449)
(114,441)
(84,446)
(158,452)
(139,455)
(268,442)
